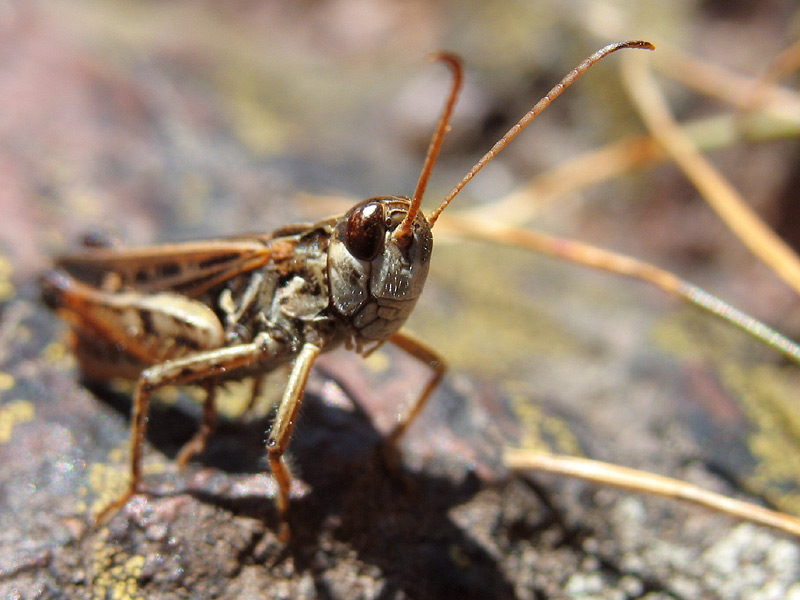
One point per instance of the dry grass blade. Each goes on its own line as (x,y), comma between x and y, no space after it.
(716,190)
(648,483)
(620,264)
(785,63)
(586,170)
(735,89)
(628,155)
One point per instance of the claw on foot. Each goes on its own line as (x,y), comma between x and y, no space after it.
(109,511)
(190,449)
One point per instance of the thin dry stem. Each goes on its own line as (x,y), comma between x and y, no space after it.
(624,156)
(720,195)
(732,88)
(785,63)
(648,483)
(521,205)
(626,266)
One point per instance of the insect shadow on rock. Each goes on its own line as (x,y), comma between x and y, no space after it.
(206,312)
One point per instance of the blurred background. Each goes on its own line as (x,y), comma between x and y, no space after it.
(146,118)
(175,120)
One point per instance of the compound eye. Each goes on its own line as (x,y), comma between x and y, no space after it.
(365,230)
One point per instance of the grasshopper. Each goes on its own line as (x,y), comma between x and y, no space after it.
(206,312)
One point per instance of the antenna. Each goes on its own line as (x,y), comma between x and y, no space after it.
(403,230)
(530,116)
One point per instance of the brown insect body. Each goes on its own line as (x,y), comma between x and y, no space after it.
(205,312)
(302,284)
(209,312)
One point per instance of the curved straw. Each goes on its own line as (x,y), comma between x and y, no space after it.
(404,229)
(532,114)
(648,483)
(627,266)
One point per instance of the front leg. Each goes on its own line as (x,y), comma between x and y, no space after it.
(203,366)
(282,428)
(424,353)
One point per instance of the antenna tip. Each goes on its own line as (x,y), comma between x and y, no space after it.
(639,44)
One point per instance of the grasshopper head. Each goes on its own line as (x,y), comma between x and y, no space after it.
(375,275)
(378,258)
